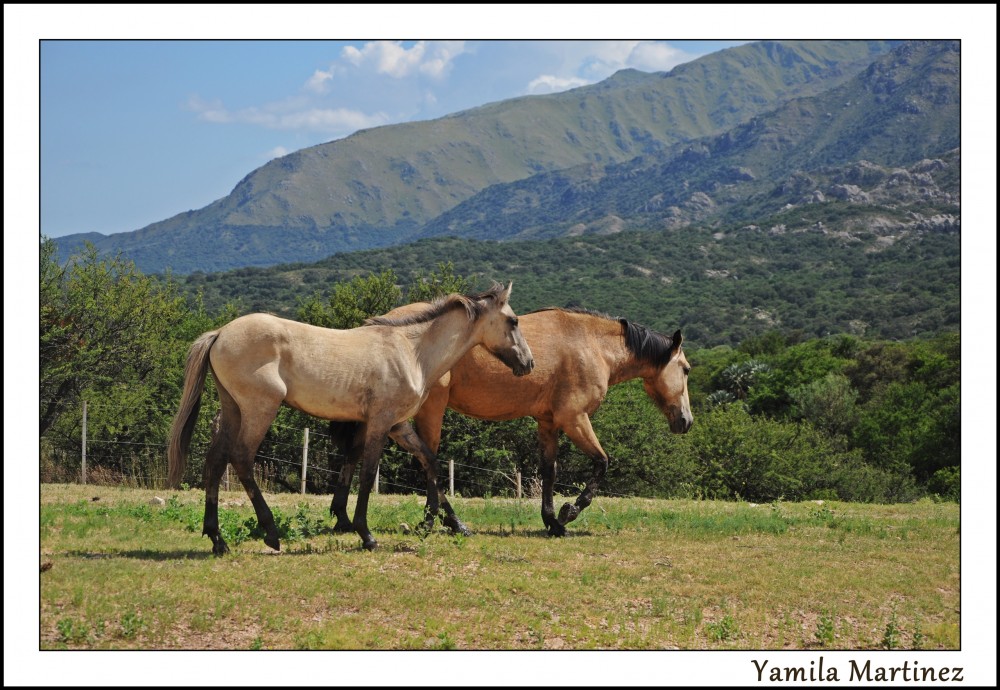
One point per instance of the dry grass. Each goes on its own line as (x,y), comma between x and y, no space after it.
(631,574)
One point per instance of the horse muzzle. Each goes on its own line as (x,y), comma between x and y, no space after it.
(681,424)
(523,369)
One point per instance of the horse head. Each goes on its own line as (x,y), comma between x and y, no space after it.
(668,389)
(501,335)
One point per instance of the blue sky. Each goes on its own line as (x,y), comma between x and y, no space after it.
(111,137)
(133,132)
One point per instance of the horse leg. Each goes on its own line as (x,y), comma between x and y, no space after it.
(428,426)
(252,432)
(215,467)
(581,433)
(548,441)
(437,501)
(343,435)
(374,442)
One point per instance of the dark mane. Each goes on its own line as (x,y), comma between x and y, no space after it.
(647,345)
(473,304)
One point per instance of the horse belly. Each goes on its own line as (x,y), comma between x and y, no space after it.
(495,398)
(328,397)
(353,395)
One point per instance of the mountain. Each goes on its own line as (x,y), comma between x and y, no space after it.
(381,186)
(904,108)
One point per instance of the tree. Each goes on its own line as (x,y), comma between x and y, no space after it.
(101,322)
(438,283)
(353,302)
(828,403)
(740,377)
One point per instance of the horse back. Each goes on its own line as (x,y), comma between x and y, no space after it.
(571,370)
(329,373)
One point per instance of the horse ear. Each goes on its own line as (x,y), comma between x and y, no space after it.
(677,339)
(506,293)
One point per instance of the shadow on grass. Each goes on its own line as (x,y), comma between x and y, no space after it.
(535,533)
(142,554)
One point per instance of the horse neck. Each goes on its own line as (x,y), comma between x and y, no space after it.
(622,363)
(441,342)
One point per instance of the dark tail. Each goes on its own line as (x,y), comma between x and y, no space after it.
(183,427)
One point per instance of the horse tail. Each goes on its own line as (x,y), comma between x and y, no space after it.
(183,427)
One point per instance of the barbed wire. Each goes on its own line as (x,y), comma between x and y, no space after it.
(315,436)
(127,443)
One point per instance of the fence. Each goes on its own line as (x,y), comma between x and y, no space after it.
(144,464)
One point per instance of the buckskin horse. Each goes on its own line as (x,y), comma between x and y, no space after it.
(376,376)
(579,354)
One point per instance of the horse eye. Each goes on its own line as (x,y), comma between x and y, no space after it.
(512,320)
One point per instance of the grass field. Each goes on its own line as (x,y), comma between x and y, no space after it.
(632,574)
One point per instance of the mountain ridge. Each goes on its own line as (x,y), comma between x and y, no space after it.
(378,187)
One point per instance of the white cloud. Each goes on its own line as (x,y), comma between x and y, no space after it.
(432,58)
(319,81)
(655,56)
(612,55)
(328,120)
(443,54)
(387,57)
(290,116)
(276,152)
(210,112)
(604,58)
(587,62)
(548,83)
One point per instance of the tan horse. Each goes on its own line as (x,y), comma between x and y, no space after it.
(578,356)
(377,375)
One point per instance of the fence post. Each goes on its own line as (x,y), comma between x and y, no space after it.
(83,444)
(376,481)
(451,477)
(517,475)
(305,457)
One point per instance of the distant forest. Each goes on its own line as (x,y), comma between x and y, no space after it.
(720,287)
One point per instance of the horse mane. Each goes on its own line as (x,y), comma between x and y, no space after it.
(647,345)
(644,343)
(474,306)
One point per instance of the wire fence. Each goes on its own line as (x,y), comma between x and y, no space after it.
(143,464)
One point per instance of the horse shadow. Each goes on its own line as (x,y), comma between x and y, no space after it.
(142,555)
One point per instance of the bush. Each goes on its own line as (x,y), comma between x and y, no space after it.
(756,458)
(947,484)
(859,482)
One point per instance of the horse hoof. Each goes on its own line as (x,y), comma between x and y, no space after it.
(455,526)
(557,530)
(369,545)
(220,548)
(272,541)
(568,513)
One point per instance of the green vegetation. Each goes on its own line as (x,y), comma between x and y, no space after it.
(720,289)
(782,416)
(633,574)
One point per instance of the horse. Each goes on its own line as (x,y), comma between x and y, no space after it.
(376,375)
(579,354)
